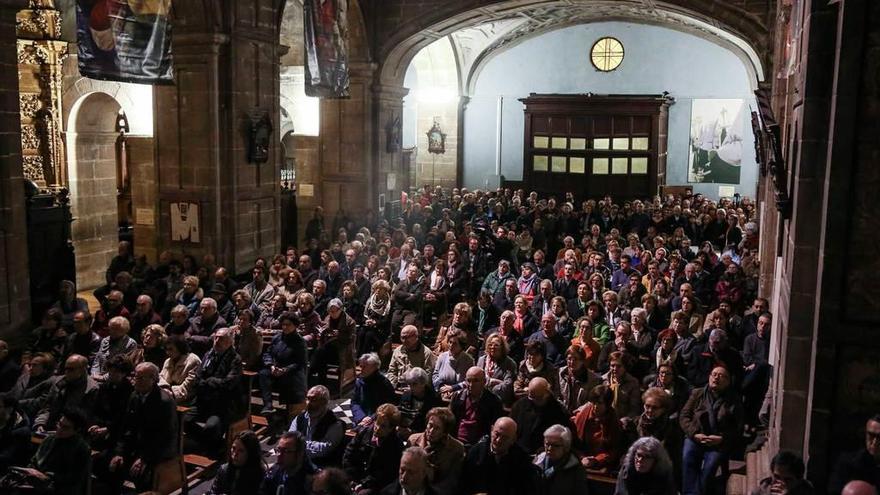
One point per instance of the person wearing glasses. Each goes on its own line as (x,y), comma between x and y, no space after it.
(646,469)
(864,464)
(293,471)
(560,473)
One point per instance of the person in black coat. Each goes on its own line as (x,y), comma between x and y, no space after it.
(203,326)
(707,356)
(285,361)
(108,414)
(245,468)
(372,457)
(219,398)
(293,472)
(537,412)
(371,389)
(863,464)
(497,465)
(413,477)
(9,368)
(15,434)
(82,340)
(149,435)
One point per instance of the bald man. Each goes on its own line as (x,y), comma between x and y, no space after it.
(475,408)
(497,465)
(536,412)
(859,487)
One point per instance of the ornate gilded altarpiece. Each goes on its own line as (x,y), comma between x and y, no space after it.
(40,54)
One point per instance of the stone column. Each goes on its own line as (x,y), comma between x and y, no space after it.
(14,280)
(389,170)
(40,55)
(346,180)
(226,71)
(144,195)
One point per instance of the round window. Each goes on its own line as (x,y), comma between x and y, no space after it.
(607,54)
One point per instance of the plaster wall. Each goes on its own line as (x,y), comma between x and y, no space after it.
(657,59)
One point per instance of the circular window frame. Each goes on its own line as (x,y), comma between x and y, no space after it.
(593,50)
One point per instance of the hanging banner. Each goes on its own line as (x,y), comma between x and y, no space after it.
(326,41)
(125,40)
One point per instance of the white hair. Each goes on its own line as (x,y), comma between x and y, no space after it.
(416,375)
(561,432)
(371,358)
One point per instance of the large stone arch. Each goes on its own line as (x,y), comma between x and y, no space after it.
(400,38)
(130,98)
(92,173)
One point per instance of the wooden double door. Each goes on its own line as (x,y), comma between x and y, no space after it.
(594,145)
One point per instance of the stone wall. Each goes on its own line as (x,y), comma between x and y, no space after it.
(144,195)
(14,280)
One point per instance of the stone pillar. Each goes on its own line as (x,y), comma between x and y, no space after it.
(40,55)
(14,280)
(346,180)
(95,229)
(389,169)
(226,70)
(144,195)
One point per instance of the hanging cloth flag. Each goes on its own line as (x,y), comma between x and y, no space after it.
(326,41)
(125,40)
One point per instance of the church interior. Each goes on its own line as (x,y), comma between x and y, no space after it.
(357,246)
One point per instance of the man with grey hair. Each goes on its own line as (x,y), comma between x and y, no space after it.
(115,343)
(203,325)
(150,433)
(144,315)
(412,353)
(371,389)
(707,356)
(219,398)
(322,430)
(413,474)
(560,473)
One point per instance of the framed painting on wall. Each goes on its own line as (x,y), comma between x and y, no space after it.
(716,151)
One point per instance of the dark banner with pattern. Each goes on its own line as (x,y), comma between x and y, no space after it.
(326,43)
(125,40)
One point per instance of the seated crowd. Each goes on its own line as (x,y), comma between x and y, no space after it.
(503,344)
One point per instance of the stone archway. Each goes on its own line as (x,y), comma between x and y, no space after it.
(92,172)
(400,37)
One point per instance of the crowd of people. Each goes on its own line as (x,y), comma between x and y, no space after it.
(503,344)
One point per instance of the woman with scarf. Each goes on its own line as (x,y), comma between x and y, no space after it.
(377,319)
(462,322)
(456,278)
(660,421)
(564,325)
(584,339)
(309,324)
(524,322)
(499,367)
(576,380)
(598,430)
(535,365)
(435,293)
(527,283)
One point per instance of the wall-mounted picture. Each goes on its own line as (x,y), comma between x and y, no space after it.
(716,141)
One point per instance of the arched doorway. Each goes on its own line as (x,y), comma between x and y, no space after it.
(99,184)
